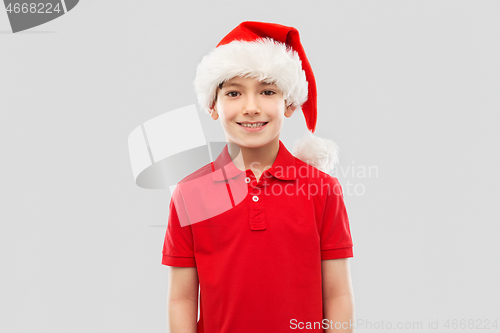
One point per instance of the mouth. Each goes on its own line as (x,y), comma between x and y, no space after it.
(253,125)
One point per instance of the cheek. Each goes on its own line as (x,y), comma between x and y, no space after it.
(279,110)
(226,114)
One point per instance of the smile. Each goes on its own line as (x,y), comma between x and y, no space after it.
(253,127)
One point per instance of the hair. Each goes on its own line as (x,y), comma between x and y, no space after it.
(217,91)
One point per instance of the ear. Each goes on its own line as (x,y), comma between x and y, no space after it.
(289,110)
(213,113)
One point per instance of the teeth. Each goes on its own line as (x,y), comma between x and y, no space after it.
(253,125)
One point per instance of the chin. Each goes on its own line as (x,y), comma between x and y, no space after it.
(252,143)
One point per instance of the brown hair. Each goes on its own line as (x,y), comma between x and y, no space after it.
(217,91)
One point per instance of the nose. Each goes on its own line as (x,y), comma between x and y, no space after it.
(251,106)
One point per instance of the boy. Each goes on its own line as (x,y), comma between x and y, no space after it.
(263,234)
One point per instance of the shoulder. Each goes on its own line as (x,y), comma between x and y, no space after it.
(201,172)
(326,183)
(197,179)
(307,171)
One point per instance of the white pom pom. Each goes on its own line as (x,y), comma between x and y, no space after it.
(321,153)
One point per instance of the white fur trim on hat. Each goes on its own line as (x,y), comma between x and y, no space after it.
(321,153)
(264,59)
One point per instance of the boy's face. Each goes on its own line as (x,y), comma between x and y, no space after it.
(247,100)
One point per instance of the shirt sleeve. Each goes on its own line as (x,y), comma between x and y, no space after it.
(178,246)
(336,241)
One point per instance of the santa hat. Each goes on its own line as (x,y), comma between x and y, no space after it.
(271,53)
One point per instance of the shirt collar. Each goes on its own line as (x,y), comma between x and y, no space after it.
(283,167)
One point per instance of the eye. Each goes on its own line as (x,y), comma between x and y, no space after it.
(269,92)
(232,93)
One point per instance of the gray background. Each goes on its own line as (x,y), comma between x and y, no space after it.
(408,87)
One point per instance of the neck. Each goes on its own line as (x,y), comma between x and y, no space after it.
(256,159)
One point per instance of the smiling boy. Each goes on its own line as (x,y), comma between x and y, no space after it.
(275,258)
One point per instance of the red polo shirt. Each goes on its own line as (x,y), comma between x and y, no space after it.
(257,246)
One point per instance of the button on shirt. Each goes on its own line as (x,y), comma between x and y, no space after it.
(257,245)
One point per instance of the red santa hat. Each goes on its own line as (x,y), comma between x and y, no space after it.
(271,53)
